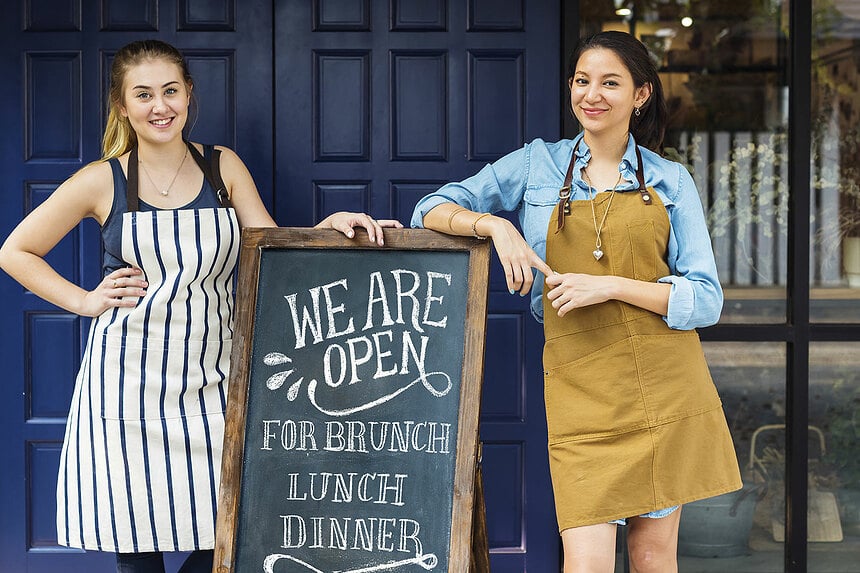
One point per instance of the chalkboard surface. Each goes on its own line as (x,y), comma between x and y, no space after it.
(358,371)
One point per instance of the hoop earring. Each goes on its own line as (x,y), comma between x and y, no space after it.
(636,111)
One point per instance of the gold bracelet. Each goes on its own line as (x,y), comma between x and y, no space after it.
(475,222)
(452,214)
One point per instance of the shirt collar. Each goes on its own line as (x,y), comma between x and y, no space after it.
(627,167)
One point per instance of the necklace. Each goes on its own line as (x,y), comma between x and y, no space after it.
(598,254)
(172,181)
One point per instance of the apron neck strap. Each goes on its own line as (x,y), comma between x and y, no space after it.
(568,177)
(564,192)
(211,171)
(131,184)
(640,177)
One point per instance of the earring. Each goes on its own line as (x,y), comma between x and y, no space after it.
(636,111)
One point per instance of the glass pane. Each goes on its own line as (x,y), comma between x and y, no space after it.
(834,461)
(835,208)
(736,532)
(723,68)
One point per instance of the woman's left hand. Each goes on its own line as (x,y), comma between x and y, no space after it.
(576,290)
(345,222)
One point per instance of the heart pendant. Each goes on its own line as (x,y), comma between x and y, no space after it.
(597,254)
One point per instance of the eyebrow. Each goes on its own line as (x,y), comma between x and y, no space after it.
(609,75)
(140,86)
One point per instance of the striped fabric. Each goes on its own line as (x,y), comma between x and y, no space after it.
(141,461)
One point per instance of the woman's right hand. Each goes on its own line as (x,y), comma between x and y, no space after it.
(121,288)
(517,257)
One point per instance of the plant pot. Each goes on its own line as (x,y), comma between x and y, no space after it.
(851,260)
(718,526)
(849,510)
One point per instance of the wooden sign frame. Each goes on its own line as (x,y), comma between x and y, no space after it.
(467,516)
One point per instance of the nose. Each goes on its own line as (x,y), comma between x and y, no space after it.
(158,104)
(593,92)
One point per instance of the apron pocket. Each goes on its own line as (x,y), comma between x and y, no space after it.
(675,376)
(597,394)
(643,244)
(155,379)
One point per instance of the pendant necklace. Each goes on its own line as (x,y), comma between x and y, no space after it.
(598,254)
(172,181)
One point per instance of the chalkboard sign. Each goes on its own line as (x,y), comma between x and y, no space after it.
(352,420)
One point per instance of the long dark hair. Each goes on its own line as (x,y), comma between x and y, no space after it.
(649,127)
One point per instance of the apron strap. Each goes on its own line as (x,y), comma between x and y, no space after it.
(564,192)
(131,200)
(640,176)
(211,171)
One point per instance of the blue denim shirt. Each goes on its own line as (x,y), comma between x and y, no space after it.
(527,181)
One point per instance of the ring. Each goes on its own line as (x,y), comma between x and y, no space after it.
(114,283)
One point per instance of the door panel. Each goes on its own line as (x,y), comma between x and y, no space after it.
(364,105)
(56,58)
(380,103)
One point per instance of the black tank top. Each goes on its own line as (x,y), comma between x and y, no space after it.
(112,228)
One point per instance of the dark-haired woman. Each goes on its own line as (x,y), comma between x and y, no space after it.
(140,464)
(636,428)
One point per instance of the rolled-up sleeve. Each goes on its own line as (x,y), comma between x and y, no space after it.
(696,297)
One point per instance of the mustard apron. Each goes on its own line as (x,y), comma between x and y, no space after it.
(635,423)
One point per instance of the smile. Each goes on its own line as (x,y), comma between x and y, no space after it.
(162,122)
(592,111)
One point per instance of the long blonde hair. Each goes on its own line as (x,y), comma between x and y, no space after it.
(119,137)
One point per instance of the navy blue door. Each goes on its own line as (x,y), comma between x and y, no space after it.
(378,103)
(361,105)
(55,61)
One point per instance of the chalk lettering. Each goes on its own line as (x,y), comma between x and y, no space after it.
(332,310)
(318,536)
(396,437)
(405,290)
(293,436)
(409,348)
(430,298)
(377,488)
(293,491)
(377,285)
(341,363)
(313,320)
(401,294)
(380,354)
(307,322)
(356,360)
(386,534)
(340,360)
(295,533)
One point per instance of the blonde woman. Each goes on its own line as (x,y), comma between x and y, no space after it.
(140,464)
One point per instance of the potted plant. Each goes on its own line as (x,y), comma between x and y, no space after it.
(849,204)
(767,461)
(754,197)
(748,191)
(720,526)
(843,431)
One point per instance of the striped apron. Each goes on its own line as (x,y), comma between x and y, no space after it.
(635,423)
(140,465)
